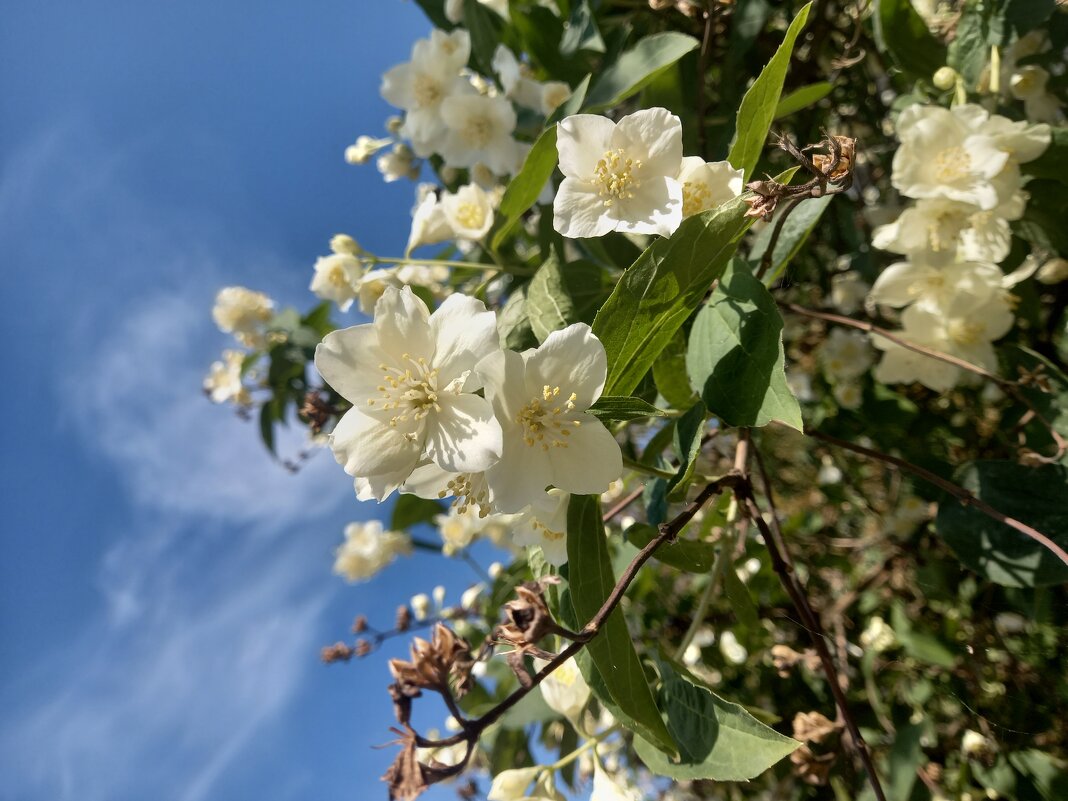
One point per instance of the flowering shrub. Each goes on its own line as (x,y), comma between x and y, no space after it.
(744,342)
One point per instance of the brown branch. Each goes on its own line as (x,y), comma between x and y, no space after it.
(702,77)
(1010,386)
(783,565)
(960,493)
(769,253)
(668,532)
(623,503)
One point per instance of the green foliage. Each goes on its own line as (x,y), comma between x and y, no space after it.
(1034,495)
(759,105)
(717,739)
(795,230)
(590,580)
(659,291)
(560,295)
(802,98)
(611,408)
(411,510)
(524,188)
(736,356)
(637,67)
(904,35)
(683,554)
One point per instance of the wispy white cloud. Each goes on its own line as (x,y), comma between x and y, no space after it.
(215,590)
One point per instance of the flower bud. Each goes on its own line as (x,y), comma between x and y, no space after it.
(511,785)
(1053,271)
(420,606)
(343,243)
(945,78)
(394,124)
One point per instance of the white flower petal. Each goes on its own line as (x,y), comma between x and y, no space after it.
(579,212)
(366,445)
(591,461)
(653,135)
(465,437)
(572,359)
(348,360)
(463,332)
(581,141)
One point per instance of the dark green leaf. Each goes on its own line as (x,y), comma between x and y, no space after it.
(485,28)
(736,356)
(669,373)
(660,290)
(524,188)
(919,644)
(411,510)
(513,323)
(611,408)
(904,759)
(757,110)
(689,555)
(903,33)
(738,594)
(1053,163)
(435,12)
(718,740)
(689,429)
(581,32)
(795,230)
(802,98)
(560,295)
(636,67)
(267,425)
(1037,496)
(590,581)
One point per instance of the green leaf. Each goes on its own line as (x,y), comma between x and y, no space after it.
(904,758)
(485,28)
(738,594)
(757,110)
(267,417)
(689,555)
(669,373)
(590,581)
(411,510)
(560,295)
(637,67)
(524,188)
(612,408)
(541,31)
(719,740)
(513,322)
(901,32)
(1048,774)
(659,291)
(736,356)
(1033,495)
(918,644)
(581,32)
(435,12)
(802,98)
(797,228)
(1043,220)
(688,432)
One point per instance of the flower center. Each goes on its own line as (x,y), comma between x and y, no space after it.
(965,332)
(695,198)
(337,278)
(411,392)
(427,90)
(616,176)
(952,164)
(478,131)
(546,532)
(468,489)
(470,215)
(547,424)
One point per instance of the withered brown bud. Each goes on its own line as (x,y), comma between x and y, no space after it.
(786,658)
(813,727)
(839,162)
(404,618)
(359,625)
(338,652)
(468,791)
(432,663)
(363,647)
(810,767)
(316,410)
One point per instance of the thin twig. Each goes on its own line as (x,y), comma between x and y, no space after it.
(776,549)
(1011,387)
(623,503)
(702,70)
(960,493)
(769,253)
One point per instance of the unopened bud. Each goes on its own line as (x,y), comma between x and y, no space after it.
(494,570)
(343,244)
(363,647)
(338,652)
(404,618)
(393,125)
(945,78)
(1053,271)
(439,596)
(420,606)
(359,625)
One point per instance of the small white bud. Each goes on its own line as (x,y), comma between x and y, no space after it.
(469,600)
(344,244)
(420,605)
(945,78)
(1053,271)
(393,125)
(494,570)
(439,596)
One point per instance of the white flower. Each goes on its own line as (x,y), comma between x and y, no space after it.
(407,377)
(1053,271)
(707,184)
(419,86)
(910,512)
(243,313)
(337,278)
(541,397)
(543,524)
(374,282)
(845,355)
(1029,85)
(933,286)
(429,225)
(939,230)
(605,788)
(368,547)
(553,95)
(966,327)
(464,524)
(420,604)
(468,211)
(478,129)
(732,650)
(343,243)
(878,636)
(511,785)
(848,394)
(223,382)
(975,746)
(365,147)
(454,9)
(848,291)
(564,690)
(619,177)
(398,163)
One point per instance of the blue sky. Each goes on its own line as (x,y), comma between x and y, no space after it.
(165,587)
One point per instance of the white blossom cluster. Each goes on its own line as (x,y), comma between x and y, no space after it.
(244,313)
(440,409)
(961,167)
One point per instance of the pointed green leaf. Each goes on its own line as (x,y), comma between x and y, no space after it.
(524,188)
(689,555)
(659,291)
(802,98)
(719,740)
(637,67)
(611,408)
(795,230)
(904,35)
(757,110)
(590,581)
(735,356)
(560,295)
